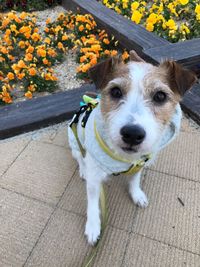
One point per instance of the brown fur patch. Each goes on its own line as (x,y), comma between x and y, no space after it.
(157,80)
(119,78)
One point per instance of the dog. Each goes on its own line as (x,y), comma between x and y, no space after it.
(138,114)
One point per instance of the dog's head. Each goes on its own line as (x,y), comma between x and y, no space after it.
(139,99)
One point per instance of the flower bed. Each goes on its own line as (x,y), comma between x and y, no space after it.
(27,56)
(173,20)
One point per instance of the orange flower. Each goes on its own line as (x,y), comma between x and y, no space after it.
(60,46)
(35,37)
(45,61)
(20,76)
(48,21)
(21,44)
(4,50)
(21,64)
(11,57)
(41,52)
(51,52)
(81,28)
(28,57)
(32,71)
(82,59)
(47,40)
(30,49)
(106,41)
(125,55)
(107,52)
(113,53)
(49,76)
(46,29)
(28,94)
(31,87)
(65,37)
(93,61)
(10,76)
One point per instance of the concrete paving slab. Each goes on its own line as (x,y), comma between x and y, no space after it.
(10,149)
(145,252)
(120,206)
(182,157)
(62,243)
(21,222)
(168,219)
(112,249)
(42,171)
(61,138)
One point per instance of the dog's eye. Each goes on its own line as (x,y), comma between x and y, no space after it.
(116,92)
(160,97)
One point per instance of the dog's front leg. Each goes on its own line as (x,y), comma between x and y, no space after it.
(94,177)
(138,196)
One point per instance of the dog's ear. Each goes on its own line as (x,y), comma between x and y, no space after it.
(134,56)
(179,78)
(101,73)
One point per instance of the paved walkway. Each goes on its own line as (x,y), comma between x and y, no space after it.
(43,206)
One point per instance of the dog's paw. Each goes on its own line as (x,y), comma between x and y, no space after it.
(139,198)
(92,232)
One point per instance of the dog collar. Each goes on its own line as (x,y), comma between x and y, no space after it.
(135,166)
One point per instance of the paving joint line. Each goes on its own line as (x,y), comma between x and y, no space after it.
(135,213)
(15,159)
(174,175)
(170,245)
(46,224)
(52,205)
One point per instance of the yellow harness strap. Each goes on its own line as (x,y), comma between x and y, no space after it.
(135,167)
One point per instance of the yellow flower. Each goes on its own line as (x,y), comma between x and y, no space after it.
(171,24)
(10,76)
(152,19)
(184,2)
(28,94)
(136,17)
(150,27)
(197,9)
(134,5)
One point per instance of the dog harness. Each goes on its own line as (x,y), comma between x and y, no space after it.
(87,107)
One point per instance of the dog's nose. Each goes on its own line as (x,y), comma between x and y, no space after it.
(132,134)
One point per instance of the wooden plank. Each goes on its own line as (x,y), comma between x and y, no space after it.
(40,112)
(191,103)
(186,53)
(129,34)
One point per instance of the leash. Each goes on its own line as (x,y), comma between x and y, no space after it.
(86,107)
(104,218)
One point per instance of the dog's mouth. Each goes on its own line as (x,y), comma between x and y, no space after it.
(130,149)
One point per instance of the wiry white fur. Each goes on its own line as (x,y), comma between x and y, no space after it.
(96,166)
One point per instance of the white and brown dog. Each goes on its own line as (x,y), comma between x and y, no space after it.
(138,114)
